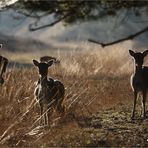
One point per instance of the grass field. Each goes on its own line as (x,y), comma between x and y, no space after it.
(98,101)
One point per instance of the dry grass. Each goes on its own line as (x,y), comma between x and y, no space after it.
(98,102)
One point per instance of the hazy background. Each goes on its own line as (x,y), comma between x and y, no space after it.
(14,29)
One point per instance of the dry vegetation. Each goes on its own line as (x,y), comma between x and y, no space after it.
(98,102)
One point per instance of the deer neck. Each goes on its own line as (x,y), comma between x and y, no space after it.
(138,70)
(43,80)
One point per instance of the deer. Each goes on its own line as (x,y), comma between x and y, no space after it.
(48,58)
(139,80)
(3,66)
(48,92)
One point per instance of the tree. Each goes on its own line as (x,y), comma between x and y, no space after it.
(77,10)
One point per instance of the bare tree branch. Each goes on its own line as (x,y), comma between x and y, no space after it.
(71,12)
(130,37)
(45,26)
(27,14)
(33,15)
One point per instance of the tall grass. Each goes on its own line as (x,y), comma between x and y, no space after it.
(95,79)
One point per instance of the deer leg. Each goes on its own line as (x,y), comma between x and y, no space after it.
(135,102)
(1,81)
(49,114)
(46,117)
(41,111)
(60,107)
(143,104)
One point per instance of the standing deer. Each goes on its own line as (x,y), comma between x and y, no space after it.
(49,92)
(3,66)
(139,79)
(48,58)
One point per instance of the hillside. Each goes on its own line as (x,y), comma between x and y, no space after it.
(16,44)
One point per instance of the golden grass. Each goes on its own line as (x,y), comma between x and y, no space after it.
(95,80)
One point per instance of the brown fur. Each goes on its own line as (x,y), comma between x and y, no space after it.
(48,92)
(139,79)
(3,66)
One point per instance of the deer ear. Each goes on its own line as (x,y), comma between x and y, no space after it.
(35,62)
(131,53)
(145,53)
(49,63)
